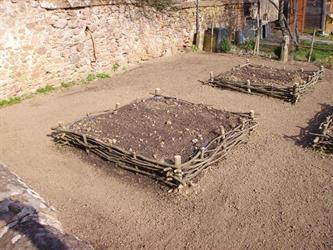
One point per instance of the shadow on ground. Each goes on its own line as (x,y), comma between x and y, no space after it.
(20,228)
(305,139)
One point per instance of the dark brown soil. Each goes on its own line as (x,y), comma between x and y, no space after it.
(159,127)
(263,75)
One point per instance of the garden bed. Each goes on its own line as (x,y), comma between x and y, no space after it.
(168,139)
(288,85)
(324,135)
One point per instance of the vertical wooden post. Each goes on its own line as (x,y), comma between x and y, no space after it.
(211,37)
(321,73)
(323,17)
(295,92)
(178,161)
(252,114)
(222,131)
(257,46)
(248,83)
(157,91)
(202,155)
(312,44)
(211,77)
(285,49)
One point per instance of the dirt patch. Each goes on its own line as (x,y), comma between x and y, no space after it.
(159,127)
(269,193)
(264,75)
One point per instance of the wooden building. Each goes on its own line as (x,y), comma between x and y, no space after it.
(311,14)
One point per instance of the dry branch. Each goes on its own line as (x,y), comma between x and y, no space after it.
(324,138)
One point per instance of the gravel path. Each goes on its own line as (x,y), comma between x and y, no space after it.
(269,193)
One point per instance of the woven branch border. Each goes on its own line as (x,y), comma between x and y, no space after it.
(323,141)
(173,175)
(290,94)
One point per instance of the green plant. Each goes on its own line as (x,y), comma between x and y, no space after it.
(67,84)
(102,75)
(46,89)
(10,101)
(159,5)
(90,77)
(249,45)
(225,45)
(313,56)
(195,48)
(115,67)
(277,51)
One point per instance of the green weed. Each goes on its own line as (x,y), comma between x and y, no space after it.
(46,89)
(102,75)
(225,45)
(115,67)
(249,45)
(10,101)
(90,77)
(67,84)
(195,48)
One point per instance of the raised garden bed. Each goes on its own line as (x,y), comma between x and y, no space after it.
(168,139)
(288,85)
(324,135)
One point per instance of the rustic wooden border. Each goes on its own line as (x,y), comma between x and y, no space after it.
(173,175)
(323,141)
(290,94)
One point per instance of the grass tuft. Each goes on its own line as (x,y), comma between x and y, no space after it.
(10,101)
(67,84)
(102,75)
(90,77)
(115,67)
(46,89)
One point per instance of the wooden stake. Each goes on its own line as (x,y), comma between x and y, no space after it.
(202,153)
(295,92)
(178,161)
(211,78)
(321,74)
(252,114)
(312,44)
(157,91)
(248,83)
(222,131)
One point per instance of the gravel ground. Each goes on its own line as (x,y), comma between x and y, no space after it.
(270,193)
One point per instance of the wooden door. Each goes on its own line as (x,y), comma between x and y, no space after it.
(313,14)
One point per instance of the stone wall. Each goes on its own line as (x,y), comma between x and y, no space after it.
(48,42)
(27,221)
